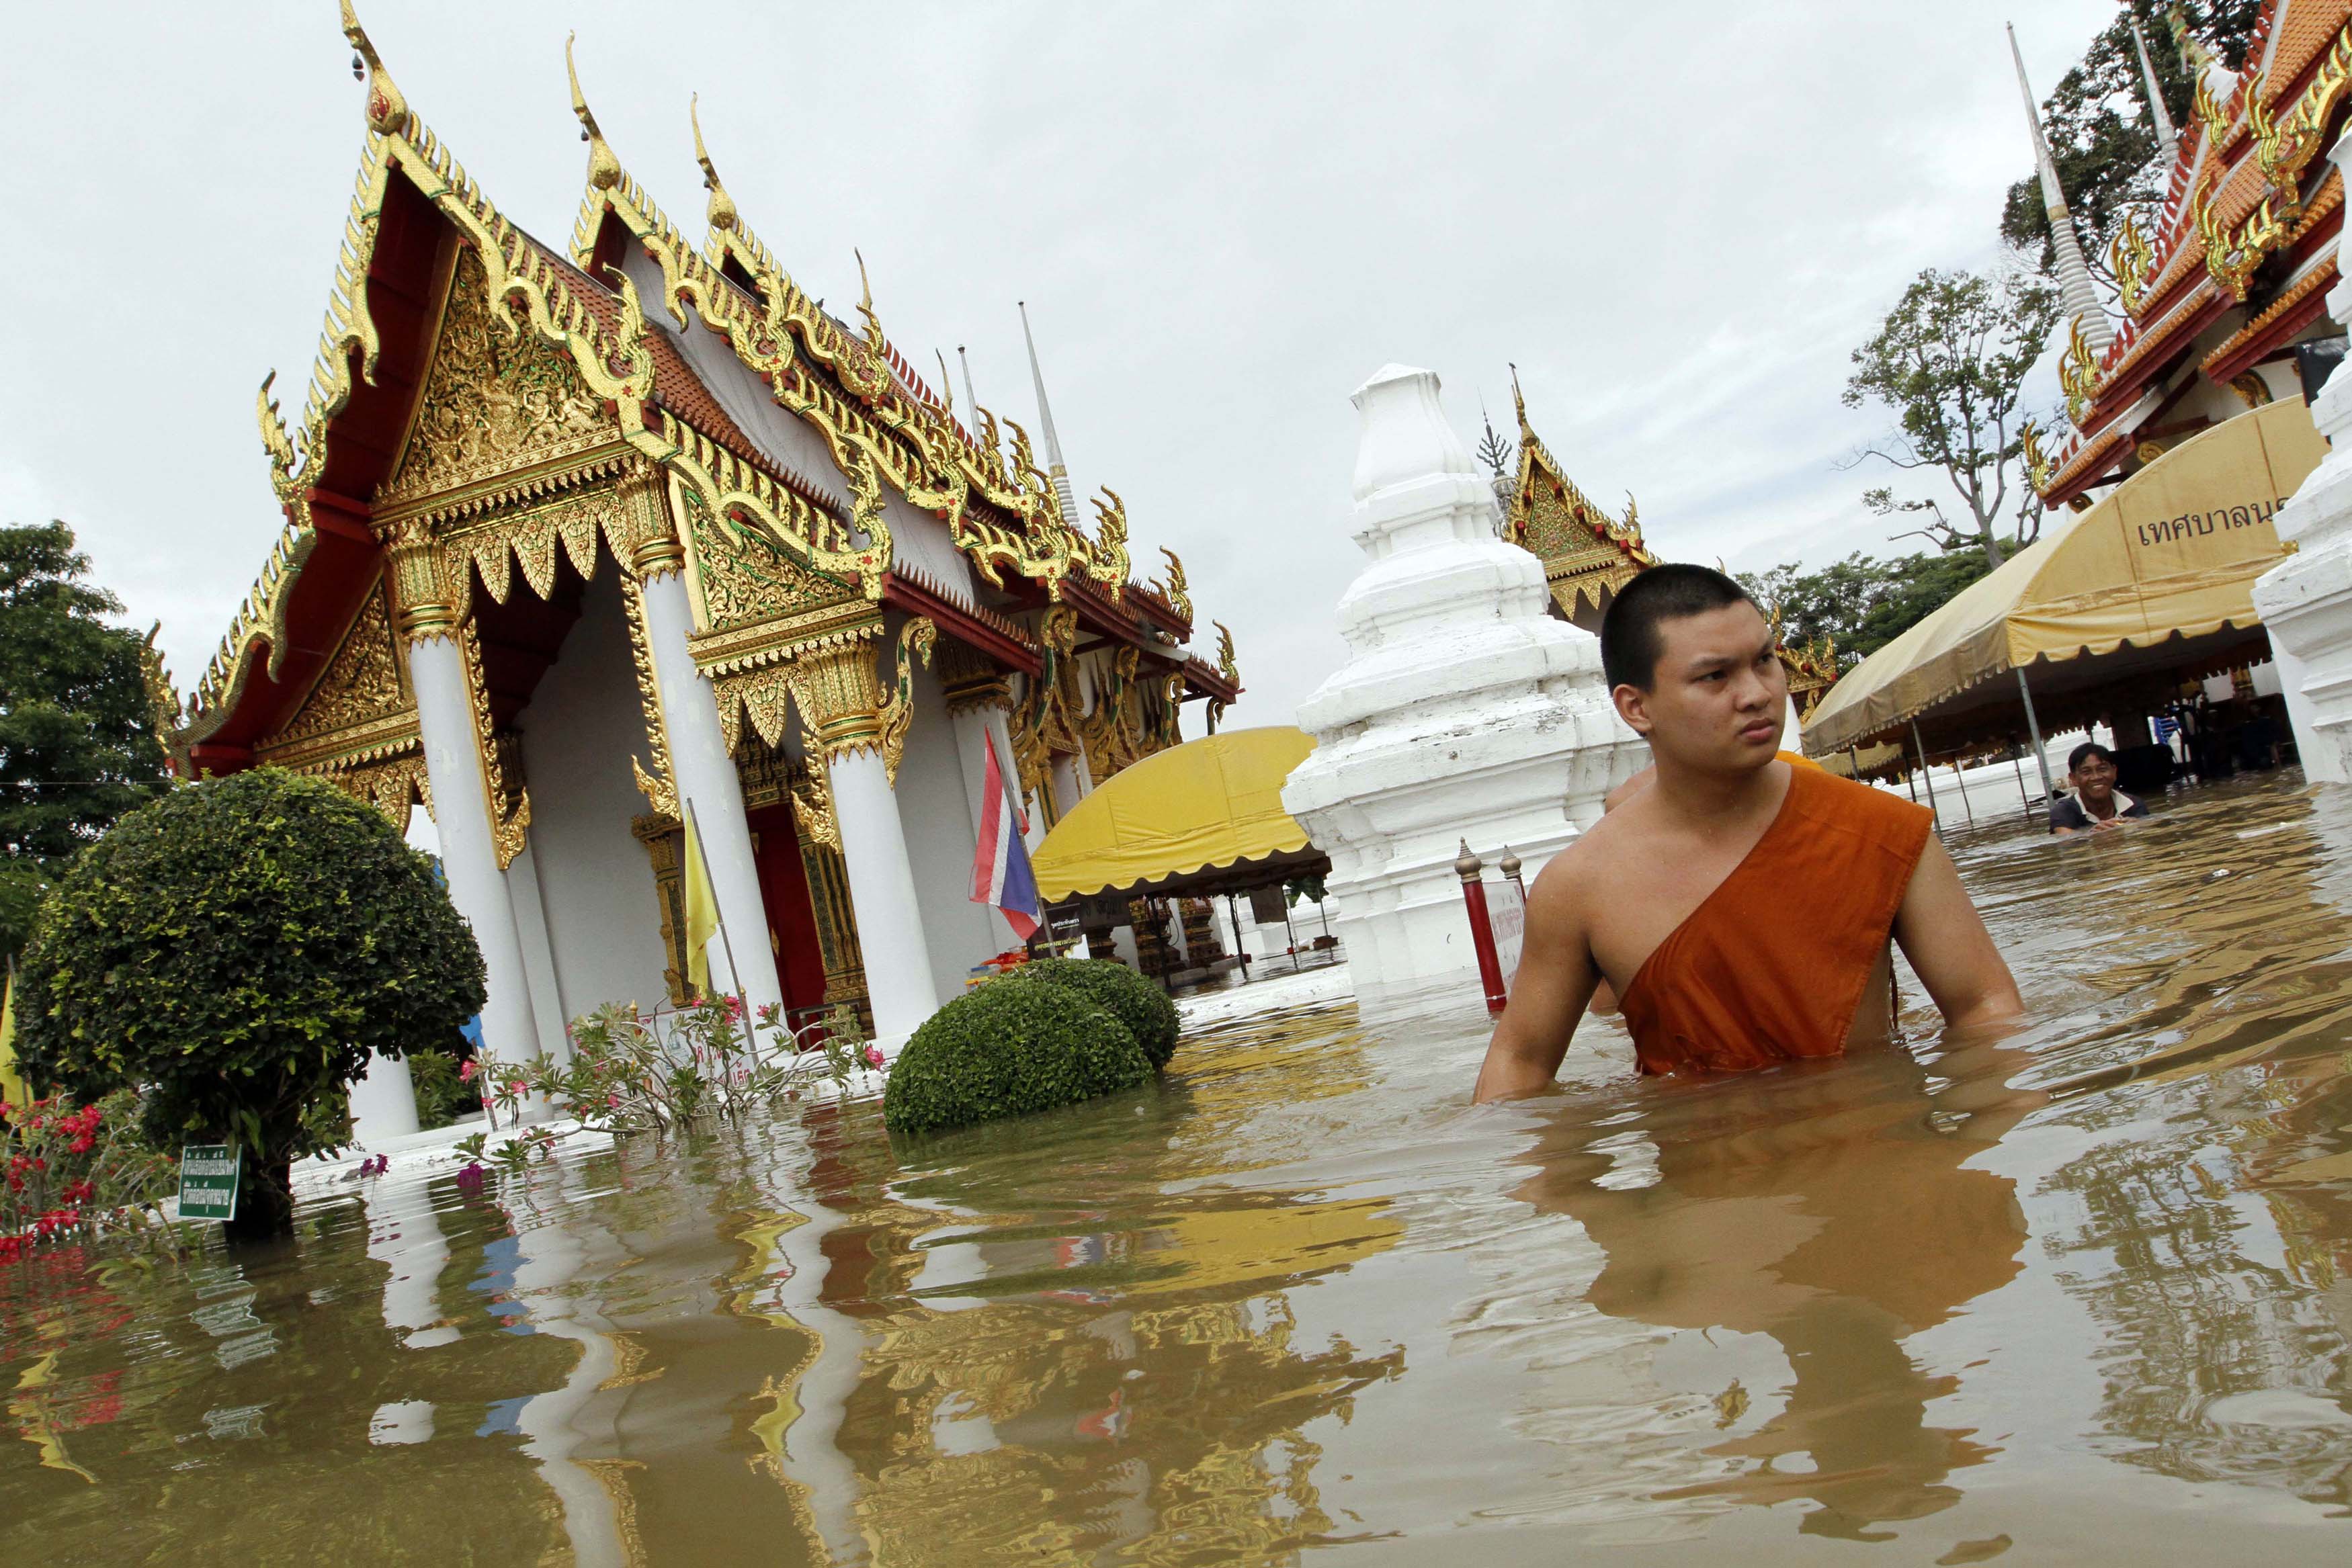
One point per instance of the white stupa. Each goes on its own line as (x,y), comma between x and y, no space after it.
(1464,712)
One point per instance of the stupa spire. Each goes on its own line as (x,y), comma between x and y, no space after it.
(2075,286)
(1056,469)
(2168,141)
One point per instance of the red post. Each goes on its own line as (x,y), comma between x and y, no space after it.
(1482,929)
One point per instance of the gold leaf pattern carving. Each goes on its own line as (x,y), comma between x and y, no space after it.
(361,683)
(494,400)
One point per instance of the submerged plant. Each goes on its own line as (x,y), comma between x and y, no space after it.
(76,1172)
(632,1073)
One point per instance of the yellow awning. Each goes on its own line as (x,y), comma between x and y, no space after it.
(2173,552)
(1207,803)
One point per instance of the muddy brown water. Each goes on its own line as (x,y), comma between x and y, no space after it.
(2079,1297)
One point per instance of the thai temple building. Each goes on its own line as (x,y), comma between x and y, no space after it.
(583,543)
(2222,295)
(1588,554)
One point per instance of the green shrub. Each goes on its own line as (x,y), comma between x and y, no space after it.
(1143,1007)
(241,948)
(1006,1049)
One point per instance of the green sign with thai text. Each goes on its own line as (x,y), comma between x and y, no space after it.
(208,1181)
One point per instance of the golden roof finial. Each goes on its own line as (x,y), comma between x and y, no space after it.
(873,335)
(1519,402)
(388,112)
(722,212)
(603,169)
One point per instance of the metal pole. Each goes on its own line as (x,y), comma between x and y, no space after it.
(1482,930)
(726,944)
(1926,772)
(2034,729)
(1963,780)
(2023,798)
(1233,913)
(1853,760)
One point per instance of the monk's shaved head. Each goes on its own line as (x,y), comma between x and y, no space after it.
(1631,635)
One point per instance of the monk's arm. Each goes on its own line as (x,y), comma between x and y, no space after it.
(1946,940)
(1549,993)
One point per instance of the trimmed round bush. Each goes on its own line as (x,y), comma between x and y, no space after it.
(241,948)
(1146,1010)
(1009,1048)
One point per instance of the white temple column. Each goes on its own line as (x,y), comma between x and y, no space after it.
(461,814)
(538,957)
(841,703)
(882,889)
(704,773)
(383,1100)
(2306,600)
(427,620)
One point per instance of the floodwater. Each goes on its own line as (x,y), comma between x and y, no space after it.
(1930,1305)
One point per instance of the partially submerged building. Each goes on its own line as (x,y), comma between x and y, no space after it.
(581,544)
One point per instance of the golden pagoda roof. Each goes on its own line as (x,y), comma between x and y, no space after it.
(884,428)
(1586,554)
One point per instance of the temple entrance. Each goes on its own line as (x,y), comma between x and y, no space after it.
(792,915)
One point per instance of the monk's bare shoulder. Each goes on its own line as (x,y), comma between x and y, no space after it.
(1565,888)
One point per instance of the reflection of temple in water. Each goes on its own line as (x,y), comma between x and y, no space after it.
(2216,1272)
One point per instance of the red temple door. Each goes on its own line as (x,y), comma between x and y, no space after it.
(791,918)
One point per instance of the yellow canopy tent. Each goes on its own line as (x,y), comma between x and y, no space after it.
(2154,583)
(1199,817)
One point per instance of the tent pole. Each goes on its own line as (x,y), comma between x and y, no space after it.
(1233,913)
(2023,799)
(1962,779)
(1853,760)
(2034,729)
(1926,772)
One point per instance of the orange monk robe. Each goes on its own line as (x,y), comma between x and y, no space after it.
(1773,965)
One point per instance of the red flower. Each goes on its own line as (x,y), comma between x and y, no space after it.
(466,1072)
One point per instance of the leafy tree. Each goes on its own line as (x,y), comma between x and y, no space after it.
(2101,135)
(78,741)
(1862,602)
(242,947)
(1951,361)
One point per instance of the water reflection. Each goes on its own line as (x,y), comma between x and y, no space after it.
(1830,1209)
(2080,1295)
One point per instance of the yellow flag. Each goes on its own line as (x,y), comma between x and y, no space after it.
(12,1087)
(701,911)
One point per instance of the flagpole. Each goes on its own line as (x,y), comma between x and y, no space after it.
(726,946)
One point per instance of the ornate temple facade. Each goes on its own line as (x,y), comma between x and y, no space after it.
(1588,554)
(2231,277)
(581,543)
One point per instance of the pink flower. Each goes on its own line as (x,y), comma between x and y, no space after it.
(874,1056)
(466,1073)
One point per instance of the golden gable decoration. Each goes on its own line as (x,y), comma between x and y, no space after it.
(494,400)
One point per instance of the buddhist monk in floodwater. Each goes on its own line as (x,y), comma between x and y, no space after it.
(1740,907)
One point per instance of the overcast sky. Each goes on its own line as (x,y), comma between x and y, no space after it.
(1678,219)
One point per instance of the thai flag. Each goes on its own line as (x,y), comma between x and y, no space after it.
(1000,869)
